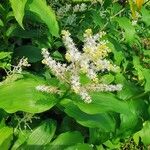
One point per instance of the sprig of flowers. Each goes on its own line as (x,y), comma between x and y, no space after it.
(22,63)
(89,62)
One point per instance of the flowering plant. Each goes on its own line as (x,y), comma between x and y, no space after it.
(89,63)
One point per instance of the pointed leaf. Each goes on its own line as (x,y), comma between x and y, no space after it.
(18,7)
(103,121)
(6,135)
(65,139)
(103,102)
(41,136)
(45,13)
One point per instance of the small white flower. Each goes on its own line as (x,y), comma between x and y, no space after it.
(47,89)
(75,83)
(22,63)
(134,22)
(85,96)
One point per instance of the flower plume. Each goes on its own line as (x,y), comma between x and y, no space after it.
(89,62)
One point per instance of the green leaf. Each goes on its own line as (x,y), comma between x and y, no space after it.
(138,67)
(103,102)
(98,136)
(129,124)
(112,144)
(129,89)
(125,24)
(21,95)
(97,19)
(80,146)
(142,73)
(145,16)
(1,23)
(22,137)
(103,121)
(146,74)
(144,133)
(41,136)
(65,139)
(117,50)
(133,122)
(5,55)
(28,51)
(45,13)
(107,79)
(18,9)
(6,135)
(16,31)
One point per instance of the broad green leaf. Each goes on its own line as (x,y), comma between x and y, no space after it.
(144,134)
(45,13)
(129,124)
(103,121)
(80,146)
(18,7)
(28,51)
(125,24)
(6,135)
(103,102)
(41,136)
(21,95)
(65,139)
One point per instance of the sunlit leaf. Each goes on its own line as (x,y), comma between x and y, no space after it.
(103,121)
(41,136)
(144,134)
(45,13)
(129,34)
(65,139)
(103,102)
(21,95)
(6,136)
(18,7)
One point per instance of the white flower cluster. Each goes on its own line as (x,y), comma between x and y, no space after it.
(89,63)
(80,8)
(63,10)
(22,63)
(69,8)
(47,89)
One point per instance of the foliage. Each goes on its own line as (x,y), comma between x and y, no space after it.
(34,119)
